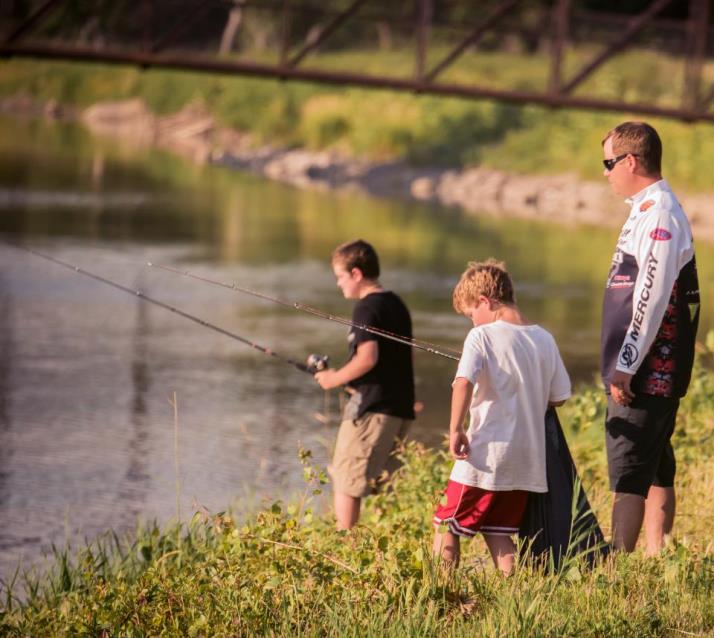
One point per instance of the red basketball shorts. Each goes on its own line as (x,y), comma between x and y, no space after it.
(471,509)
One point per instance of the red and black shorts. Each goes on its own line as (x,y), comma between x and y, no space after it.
(471,509)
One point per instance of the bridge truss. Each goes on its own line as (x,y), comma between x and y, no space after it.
(150,35)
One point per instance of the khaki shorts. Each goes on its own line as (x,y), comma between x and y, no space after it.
(365,453)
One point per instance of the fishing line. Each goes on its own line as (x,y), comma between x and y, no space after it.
(295,305)
(137,293)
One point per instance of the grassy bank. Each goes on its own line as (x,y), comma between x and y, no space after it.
(285,571)
(420,129)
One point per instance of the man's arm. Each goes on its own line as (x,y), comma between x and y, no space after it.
(462,390)
(365,359)
(657,253)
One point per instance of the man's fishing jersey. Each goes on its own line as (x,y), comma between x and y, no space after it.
(651,306)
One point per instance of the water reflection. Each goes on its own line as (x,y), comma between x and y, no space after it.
(6,359)
(132,493)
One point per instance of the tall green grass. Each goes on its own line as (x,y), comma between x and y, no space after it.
(384,125)
(284,570)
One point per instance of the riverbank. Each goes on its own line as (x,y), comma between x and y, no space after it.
(483,157)
(195,134)
(285,571)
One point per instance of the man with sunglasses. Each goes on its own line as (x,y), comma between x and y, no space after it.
(650,316)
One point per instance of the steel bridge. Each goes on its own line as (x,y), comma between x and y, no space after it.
(151,36)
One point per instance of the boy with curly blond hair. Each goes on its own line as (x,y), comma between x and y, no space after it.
(510,371)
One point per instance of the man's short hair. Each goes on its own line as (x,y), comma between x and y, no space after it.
(357,254)
(641,139)
(488,278)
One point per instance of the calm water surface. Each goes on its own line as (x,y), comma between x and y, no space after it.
(87,372)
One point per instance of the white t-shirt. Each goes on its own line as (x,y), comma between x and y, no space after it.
(516,370)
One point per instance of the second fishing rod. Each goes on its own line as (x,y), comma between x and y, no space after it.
(418,344)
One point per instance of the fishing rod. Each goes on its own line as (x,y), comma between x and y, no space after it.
(314,364)
(295,305)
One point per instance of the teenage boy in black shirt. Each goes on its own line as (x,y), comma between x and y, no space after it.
(379,375)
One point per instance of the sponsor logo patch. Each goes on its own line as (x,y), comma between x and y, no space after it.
(644,299)
(628,355)
(661,234)
(645,205)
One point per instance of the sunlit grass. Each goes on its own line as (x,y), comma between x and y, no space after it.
(285,571)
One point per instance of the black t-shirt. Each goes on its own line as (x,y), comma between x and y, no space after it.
(388,388)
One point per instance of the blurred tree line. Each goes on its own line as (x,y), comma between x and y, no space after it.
(255,26)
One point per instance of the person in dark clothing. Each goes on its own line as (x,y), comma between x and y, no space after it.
(379,376)
(650,317)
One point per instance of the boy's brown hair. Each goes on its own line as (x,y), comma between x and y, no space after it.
(488,278)
(640,139)
(357,254)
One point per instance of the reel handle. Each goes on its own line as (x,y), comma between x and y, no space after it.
(317,363)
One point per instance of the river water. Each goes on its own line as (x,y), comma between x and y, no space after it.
(88,373)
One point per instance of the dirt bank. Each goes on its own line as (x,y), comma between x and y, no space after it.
(193,133)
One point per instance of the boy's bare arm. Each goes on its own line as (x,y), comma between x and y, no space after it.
(364,360)
(461,392)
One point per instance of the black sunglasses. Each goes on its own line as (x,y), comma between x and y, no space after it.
(609,164)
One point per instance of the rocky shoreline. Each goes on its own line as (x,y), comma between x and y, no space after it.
(194,133)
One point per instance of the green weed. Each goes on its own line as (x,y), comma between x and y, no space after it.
(285,570)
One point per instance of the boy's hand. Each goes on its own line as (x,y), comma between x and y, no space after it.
(327,379)
(459,444)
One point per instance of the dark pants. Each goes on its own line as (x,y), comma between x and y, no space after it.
(639,450)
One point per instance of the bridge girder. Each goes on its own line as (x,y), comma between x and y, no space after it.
(25,40)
